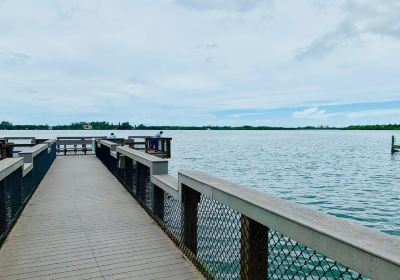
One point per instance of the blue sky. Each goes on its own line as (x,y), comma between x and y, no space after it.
(201,62)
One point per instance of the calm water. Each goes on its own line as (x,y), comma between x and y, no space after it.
(350,174)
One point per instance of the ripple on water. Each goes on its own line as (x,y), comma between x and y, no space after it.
(350,174)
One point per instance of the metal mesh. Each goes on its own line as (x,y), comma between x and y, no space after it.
(223,243)
(148,192)
(15,190)
(219,238)
(130,176)
(172,217)
(10,199)
(290,260)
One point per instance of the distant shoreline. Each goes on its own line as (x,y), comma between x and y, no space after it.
(127,126)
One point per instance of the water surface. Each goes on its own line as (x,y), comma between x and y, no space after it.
(350,174)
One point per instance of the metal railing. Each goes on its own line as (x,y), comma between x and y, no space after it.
(19,178)
(160,147)
(232,232)
(76,144)
(9,148)
(85,144)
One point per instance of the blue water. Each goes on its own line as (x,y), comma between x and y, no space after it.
(350,174)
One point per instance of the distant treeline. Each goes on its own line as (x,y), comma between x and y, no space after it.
(248,127)
(94,126)
(127,126)
(10,126)
(72,126)
(374,127)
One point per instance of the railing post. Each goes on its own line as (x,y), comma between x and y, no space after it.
(132,144)
(97,150)
(158,202)
(168,148)
(140,181)
(146,145)
(6,149)
(129,173)
(3,151)
(121,167)
(190,200)
(253,250)
(163,145)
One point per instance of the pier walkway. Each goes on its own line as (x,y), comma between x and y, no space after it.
(82,224)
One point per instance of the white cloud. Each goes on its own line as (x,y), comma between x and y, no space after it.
(312,113)
(328,42)
(13,58)
(374,113)
(360,18)
(233,5)
(241,115)
(187,82)
(139,58)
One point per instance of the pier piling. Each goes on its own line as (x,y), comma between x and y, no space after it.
(395,148)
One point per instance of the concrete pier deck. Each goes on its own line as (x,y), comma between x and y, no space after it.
(82,224)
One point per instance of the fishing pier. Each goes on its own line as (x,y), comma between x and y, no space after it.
(110,210)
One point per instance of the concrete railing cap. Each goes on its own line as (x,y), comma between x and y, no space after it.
(167,183)
(9,165)
(108,143)
(50,141)
(139,155)
(35,150)
(368,251)
(158,166)
(28,167)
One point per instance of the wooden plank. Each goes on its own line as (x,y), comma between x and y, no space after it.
(81,223)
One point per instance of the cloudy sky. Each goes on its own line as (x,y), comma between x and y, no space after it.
(200,62)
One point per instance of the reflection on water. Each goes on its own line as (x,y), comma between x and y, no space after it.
(350,174)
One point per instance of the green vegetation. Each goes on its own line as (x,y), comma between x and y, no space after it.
(73,126)
(10,126)
(127,126)
(374,127)
(94,126)
(248,127)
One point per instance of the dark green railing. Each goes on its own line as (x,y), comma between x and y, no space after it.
(231,232)
(19,178)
